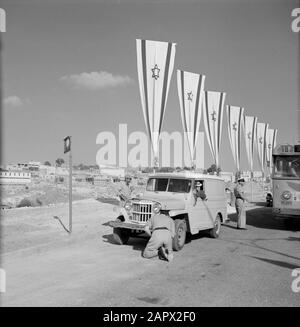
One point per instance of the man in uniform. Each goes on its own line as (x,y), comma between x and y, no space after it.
(125,191)
(161,228)
(240,203)
(198,192)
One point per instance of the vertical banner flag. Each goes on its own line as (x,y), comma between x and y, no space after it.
(190,92)
(235,118)
(261,136)
(213,117)
(155,62)
(250,130)
(271,143)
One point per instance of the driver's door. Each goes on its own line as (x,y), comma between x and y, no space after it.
(199,213)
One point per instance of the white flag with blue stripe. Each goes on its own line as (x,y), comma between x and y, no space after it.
(213,106)
(155,62)
(261,139)
(250,137)
(190,88)
(235,119)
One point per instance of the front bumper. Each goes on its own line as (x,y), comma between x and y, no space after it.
(127,225)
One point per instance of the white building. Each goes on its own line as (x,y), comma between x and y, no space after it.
(228,176)
(113,172)
(15,177)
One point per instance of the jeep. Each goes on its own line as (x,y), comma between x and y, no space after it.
(173,192)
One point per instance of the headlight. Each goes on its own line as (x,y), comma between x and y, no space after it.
(286,195)
(156,207)
(128,205)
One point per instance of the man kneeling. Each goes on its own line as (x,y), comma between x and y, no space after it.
(161,228)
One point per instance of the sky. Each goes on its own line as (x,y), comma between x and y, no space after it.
(69,68)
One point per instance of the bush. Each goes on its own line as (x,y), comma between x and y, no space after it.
(25,203)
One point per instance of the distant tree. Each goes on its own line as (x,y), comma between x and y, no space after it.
(59,162)
(47,163)
(213,169)
(165,169)
(147,170)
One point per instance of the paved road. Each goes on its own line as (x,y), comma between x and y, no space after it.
(241,268)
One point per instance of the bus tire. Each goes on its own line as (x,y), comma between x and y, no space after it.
(289,223)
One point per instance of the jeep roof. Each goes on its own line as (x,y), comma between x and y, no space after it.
(186,174)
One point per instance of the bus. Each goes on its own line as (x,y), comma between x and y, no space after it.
(286,182)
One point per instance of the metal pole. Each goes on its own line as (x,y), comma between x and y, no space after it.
(251,178)
(70,189)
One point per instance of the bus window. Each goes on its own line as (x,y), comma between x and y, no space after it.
(287,166)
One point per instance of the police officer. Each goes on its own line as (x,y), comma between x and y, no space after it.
(240,203)
(161,228)
(125,192)
(198,192)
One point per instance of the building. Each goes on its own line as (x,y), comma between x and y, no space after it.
(113,172)
(228,176)
(15,177)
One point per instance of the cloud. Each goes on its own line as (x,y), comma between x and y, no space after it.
(13,101)
(96,80)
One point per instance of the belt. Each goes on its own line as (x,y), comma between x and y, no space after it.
(158,228)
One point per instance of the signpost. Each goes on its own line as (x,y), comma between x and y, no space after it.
(67,148)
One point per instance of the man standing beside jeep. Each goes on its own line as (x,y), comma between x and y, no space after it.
(161,228)
(240,203)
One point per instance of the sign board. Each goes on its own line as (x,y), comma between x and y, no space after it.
(67,144)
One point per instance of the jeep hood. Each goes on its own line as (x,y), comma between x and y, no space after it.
(168,201)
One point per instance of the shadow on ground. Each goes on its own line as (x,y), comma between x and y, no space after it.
(138,243)
(112,201)
(263,218)
(277,263)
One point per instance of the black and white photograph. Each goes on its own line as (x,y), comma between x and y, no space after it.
(150,156)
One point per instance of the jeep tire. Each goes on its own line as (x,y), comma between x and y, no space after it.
(121,235)
(215,232)
(180,234)
(289,223)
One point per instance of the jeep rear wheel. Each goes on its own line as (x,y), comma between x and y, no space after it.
(180,234)
(215,232)
(121,235)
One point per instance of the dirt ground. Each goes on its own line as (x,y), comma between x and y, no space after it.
(45,266)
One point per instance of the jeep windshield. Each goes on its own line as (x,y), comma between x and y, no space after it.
(175,185)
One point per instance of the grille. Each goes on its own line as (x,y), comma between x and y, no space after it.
(141,211)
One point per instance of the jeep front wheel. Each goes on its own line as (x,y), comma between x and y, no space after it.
(215,232)
(180,234)
(121,235)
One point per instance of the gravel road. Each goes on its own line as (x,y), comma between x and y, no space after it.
(45,266)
